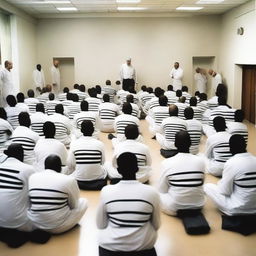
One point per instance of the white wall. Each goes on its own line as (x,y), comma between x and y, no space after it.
(100,45)
(5,37)
(236,49)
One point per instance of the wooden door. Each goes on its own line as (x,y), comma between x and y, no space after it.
(249,92)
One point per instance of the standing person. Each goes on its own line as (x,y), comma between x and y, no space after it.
(128,75)
(38,78)
(217,79)
(55,72)
(176,75)
(200,81)
(7,81)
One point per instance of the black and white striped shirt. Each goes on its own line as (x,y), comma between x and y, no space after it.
(238,128)
(13,116)
(94,104)
(194,128)
(37,122)
(110,91)
(31,102)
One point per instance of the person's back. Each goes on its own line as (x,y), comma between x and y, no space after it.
(31,101)
(5,128)
(51,104)
(108,89)
(12,111)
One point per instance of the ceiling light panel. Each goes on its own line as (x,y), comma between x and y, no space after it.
(189,8)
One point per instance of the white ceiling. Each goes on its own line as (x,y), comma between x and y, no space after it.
(38,9)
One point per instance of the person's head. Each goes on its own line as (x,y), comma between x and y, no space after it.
(98,89)
(176,65)
(69,96)
(11,101)
(189,113)
(92,92)
(82,88)
(106,98)
(3,114)
(51,96)
(150,90)
(40,107)
(203,96)
(75,97)
(118,82)
(8,65)
(49,130)
(182,141)
(222,101)
(131,132)
(65,90)
(127,165)
(108,82)
(169,87)
(163,100)
(59,109)
(197,94)
(76,86)
(178,93)
(31,93)
(237,144)
(128,61)
(38,67)
(20,97)
(84,105)
(239,115)
(198,70)
(56,63)
(173,110)
(219,124)
(130,98)
(53,162)
(221,90)
(44,90)
(87,128)
(182,99)
(16,151)
(193,101)
(184,88)
(24,119)
(127,108)
(48,88)
(144,88)
(210,72)
(158,92)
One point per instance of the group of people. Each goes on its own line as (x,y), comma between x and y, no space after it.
(50,148)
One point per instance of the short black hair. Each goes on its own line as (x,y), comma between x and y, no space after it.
(49,129)
(131,131)
(31,93)
(11,100)
(20,97)
(87,128)
(40,107)
(178,93)
(239,115)
(189,113)
(51,96)
(163,100)
(127,108)
(84,105)
(193,101)
(106,98)
(3,114)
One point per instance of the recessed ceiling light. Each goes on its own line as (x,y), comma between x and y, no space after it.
(56,2)
(209,1)
(119,8)
(187,8)
(128,1)
(67,9)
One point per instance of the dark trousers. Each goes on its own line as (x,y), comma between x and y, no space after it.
(104,252)
(128,85)
(92,184)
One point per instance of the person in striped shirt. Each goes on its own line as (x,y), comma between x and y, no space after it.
(217,149)
(12,111)
(63,96)
(73,108)
(5,129)
(14,190)
(55,205)
(235,193)
(197,111)
(51,104)
(93,101)
(20,103)
(180,184)
(128,213)
(135,108)
(31,101)
(107,89)
(181,104)
(170,93)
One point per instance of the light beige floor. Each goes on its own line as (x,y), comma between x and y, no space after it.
(172,240)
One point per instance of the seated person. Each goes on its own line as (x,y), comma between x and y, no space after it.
(220,91)
(235,193)
(49,145)
(181,184)
(12,111)
(31,101)
(194,128)
(107,114)
(154,102)
(99,94)
(26,137)
(135,108)
(82,95)
(92,100)
(181,104)
(73,108)
(20,103)
(38,119)
(51,104)
(145,98)
(128,213)
(197,111)
(109,90)
(14,190)
(202,104)
(217,147)
(139,149)
(44,96)
(5,128)
(63,96)
(170,94)
(55,205)
(169,127)
(185,93)
(86,159)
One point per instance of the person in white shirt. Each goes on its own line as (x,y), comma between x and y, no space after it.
(181,184)
(182,105)
(7,81)
(55,72)
(63,96)
(31,101)
(93,101)
(62,124)
(176,76)
(139,149)
(82,94)
(185,93)
(38,119)
(5,128)
(51,104)
(217,79)
(217,147)
(108,111)
(135,108)
(12,111)
(235,193)
(109,90)
(197,111)
(44,96)
(194,129)
(38,78)
(73,108)
(20,103)
(55,205)
(86,159)
(170,93)
(99,94)
(14,190)
(128,75)
(200,80)
(49,145)
(169,127)
(128,215)
(154,102)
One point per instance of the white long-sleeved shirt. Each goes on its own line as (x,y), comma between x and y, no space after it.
(94,104)
(55,72)
(237,128)
(110,91)
(7,83)
(37,122)
(183,182)
(50,106)
(216,81)
(128,216)
(13,116)
(5,128)
(52,197)
(176,75)
(38,78)
(127,72)
(200,82)
(108,112)
(86,158)
(14,193)
(31,102)
(194,129)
